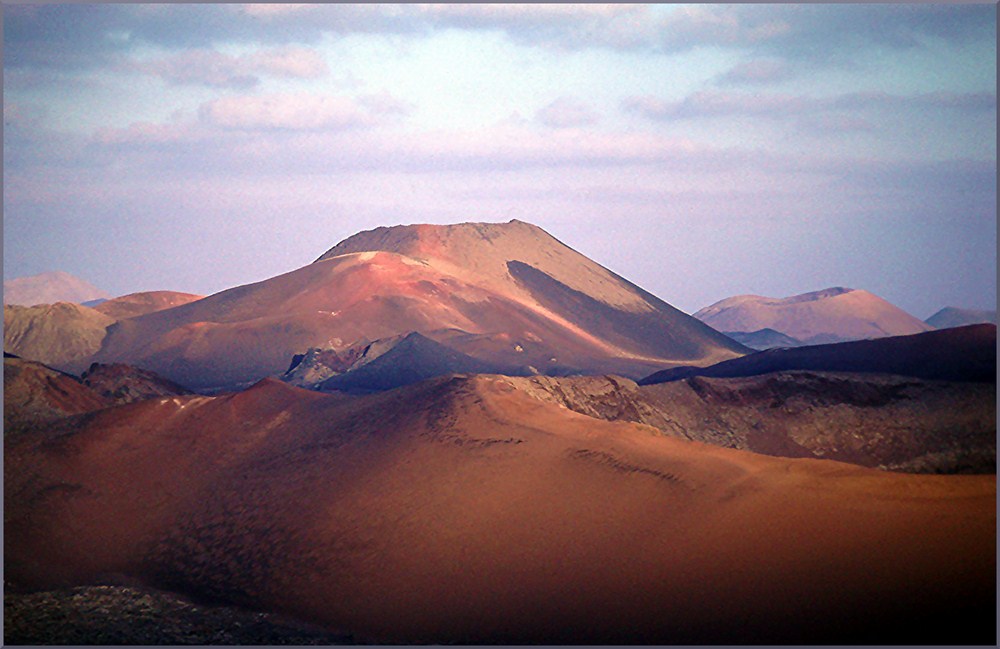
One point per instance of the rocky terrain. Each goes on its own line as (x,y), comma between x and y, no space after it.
(34,394)
(881,421)
(136,615)
(126,384)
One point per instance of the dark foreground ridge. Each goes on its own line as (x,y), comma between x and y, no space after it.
(959,354)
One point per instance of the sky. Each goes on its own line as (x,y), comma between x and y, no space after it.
(700,151)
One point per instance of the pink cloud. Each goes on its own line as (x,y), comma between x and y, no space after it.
(214,69)
(297,62)
(300,111)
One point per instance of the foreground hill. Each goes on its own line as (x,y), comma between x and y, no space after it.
(959,354)
(49,288)
(503,293)
(466,510)
(830,315)
(135,304)
(954,317)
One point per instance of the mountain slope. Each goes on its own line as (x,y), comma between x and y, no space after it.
(463,510)
(830,315)
(48,288)
(954,317)
(959,354)
(507,294)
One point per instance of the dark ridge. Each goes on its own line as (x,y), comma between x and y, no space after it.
(959,354)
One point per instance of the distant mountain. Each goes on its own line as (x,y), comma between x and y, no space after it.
(763,339)
(135,304)
(959,354)
(954,317)
(48,288)
(830,315)
(505,293)
(62,335)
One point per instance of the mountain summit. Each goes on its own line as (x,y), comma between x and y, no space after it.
(505,293)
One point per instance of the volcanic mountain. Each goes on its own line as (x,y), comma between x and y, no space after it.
(48,288)
(466,510)
(954,317)
(831,315)
(508,294)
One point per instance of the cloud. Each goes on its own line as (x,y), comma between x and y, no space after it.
(214,69)
(716,104)
(286,112)
(756,72)
(70,36)
(566,112)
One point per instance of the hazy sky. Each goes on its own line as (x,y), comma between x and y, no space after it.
(701,151)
